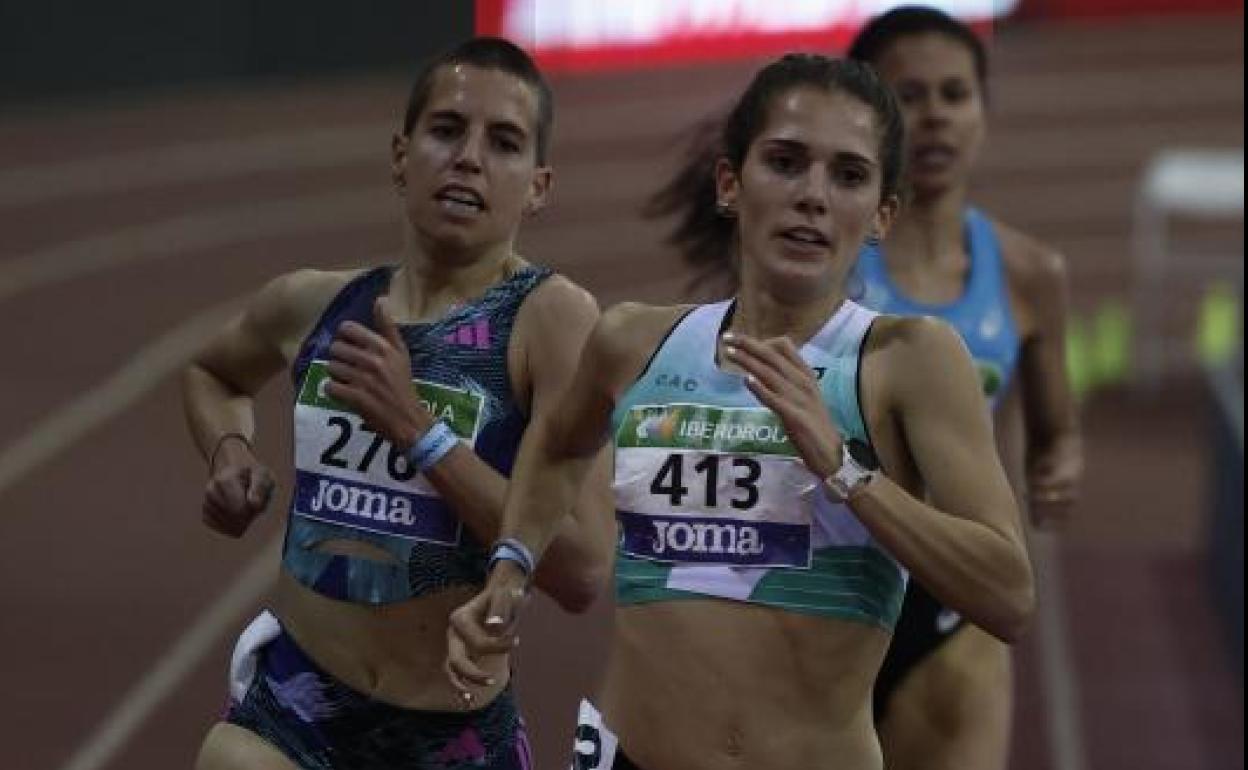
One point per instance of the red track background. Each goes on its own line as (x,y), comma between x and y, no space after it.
(103,562)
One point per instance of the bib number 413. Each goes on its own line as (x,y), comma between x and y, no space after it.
(669,481)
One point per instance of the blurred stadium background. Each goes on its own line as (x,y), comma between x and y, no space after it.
(159,161)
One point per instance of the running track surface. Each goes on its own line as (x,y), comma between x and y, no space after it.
(126,227)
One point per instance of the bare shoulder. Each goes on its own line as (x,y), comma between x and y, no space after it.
(287,307)
(627,335)
(308,290)
(919,337)
(1034,268)
(912,355)
(633,325)
(558,306)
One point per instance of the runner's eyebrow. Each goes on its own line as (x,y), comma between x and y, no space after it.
(801,148)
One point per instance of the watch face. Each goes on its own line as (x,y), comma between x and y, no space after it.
(852,478)
(862,454)
(839,490)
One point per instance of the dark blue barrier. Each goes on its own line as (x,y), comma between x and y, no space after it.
(1226,498)
(69,48)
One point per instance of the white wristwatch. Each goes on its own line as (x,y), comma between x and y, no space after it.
(849,477)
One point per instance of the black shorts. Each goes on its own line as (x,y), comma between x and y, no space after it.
(620,762)
(925,624)
(595,746)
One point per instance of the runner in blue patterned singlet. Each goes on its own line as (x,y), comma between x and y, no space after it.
(761,560)
(943,698)
(414,384)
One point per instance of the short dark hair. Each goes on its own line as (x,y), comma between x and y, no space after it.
(881,32)
(488,53)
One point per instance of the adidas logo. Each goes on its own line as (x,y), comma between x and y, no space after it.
(472,335)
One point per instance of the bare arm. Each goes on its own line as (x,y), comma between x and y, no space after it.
(582,532)
(579,549)
(564,443)
(219,388)
(965,545)
(551,468)
(371,372)
(1054,450)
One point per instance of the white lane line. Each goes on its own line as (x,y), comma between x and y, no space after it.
(1061,691)
(67,425)
(185,236)
(64,428)
(142,372)
(195,232)
(176,664)
(195,161)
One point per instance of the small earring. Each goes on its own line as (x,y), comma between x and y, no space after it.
(725,210)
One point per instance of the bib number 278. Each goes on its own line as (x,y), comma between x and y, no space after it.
(396,463)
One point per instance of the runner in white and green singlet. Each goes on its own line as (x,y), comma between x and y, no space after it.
(783,459)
